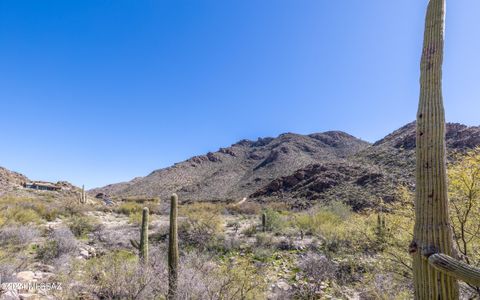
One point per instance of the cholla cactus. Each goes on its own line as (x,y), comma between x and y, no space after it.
(173,249)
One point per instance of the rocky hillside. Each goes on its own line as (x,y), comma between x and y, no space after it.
(302,170)
(10,180)
(240,170)
(373,173)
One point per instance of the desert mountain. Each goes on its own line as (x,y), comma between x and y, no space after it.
(301,169)
(371,174)
(240,170)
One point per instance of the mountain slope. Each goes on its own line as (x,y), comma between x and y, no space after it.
(10,180)
(241,169)
(300,169)
(371,174)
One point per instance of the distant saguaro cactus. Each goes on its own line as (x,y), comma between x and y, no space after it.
(381,229)
(142,247)
(381,225)
(173,249)
(83,195)
(144,236)
(264,222)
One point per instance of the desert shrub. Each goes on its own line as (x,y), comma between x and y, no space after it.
(246,208)
(135,207)
(275,220)
(26,210)
(118,275)
(71,207)
(59,242)
(338,208)
(281,207)
(230,244)
(338,228)
(235,225)
(351,236)
(202,225)
(135,218)
(250,230)
(201,208)
(7,269)
(263,254)
(264,240)
(81,225)
(318,222)
(353,268)
(197,277)
(240,278)
(17,214)
(18,235)
(379,285)
(287,244)
(316,271)
(141,200)
(129,208)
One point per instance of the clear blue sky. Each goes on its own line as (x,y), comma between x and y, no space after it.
(97,92)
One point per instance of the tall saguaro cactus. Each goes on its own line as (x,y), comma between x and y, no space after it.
(142,247)
(173,249)
(144,236)
(83,195)
(432,233)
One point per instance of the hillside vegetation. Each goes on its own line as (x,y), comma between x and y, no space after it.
(328,251)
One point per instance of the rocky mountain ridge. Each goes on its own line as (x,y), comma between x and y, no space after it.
(300,169)
(238,171)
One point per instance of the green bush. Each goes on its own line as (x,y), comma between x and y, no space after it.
(264,240)
(202,226)
(250,230)
(135,218)
(59,242)
(246,208)
(81,225)
(275,221)
(21,215)
(129,208)
(26,210)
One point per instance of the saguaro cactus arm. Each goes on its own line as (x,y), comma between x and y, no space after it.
(135,244)
(455,268)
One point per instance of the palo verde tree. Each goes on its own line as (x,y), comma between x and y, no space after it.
(464,196)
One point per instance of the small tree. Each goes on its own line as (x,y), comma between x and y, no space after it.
(464,192)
